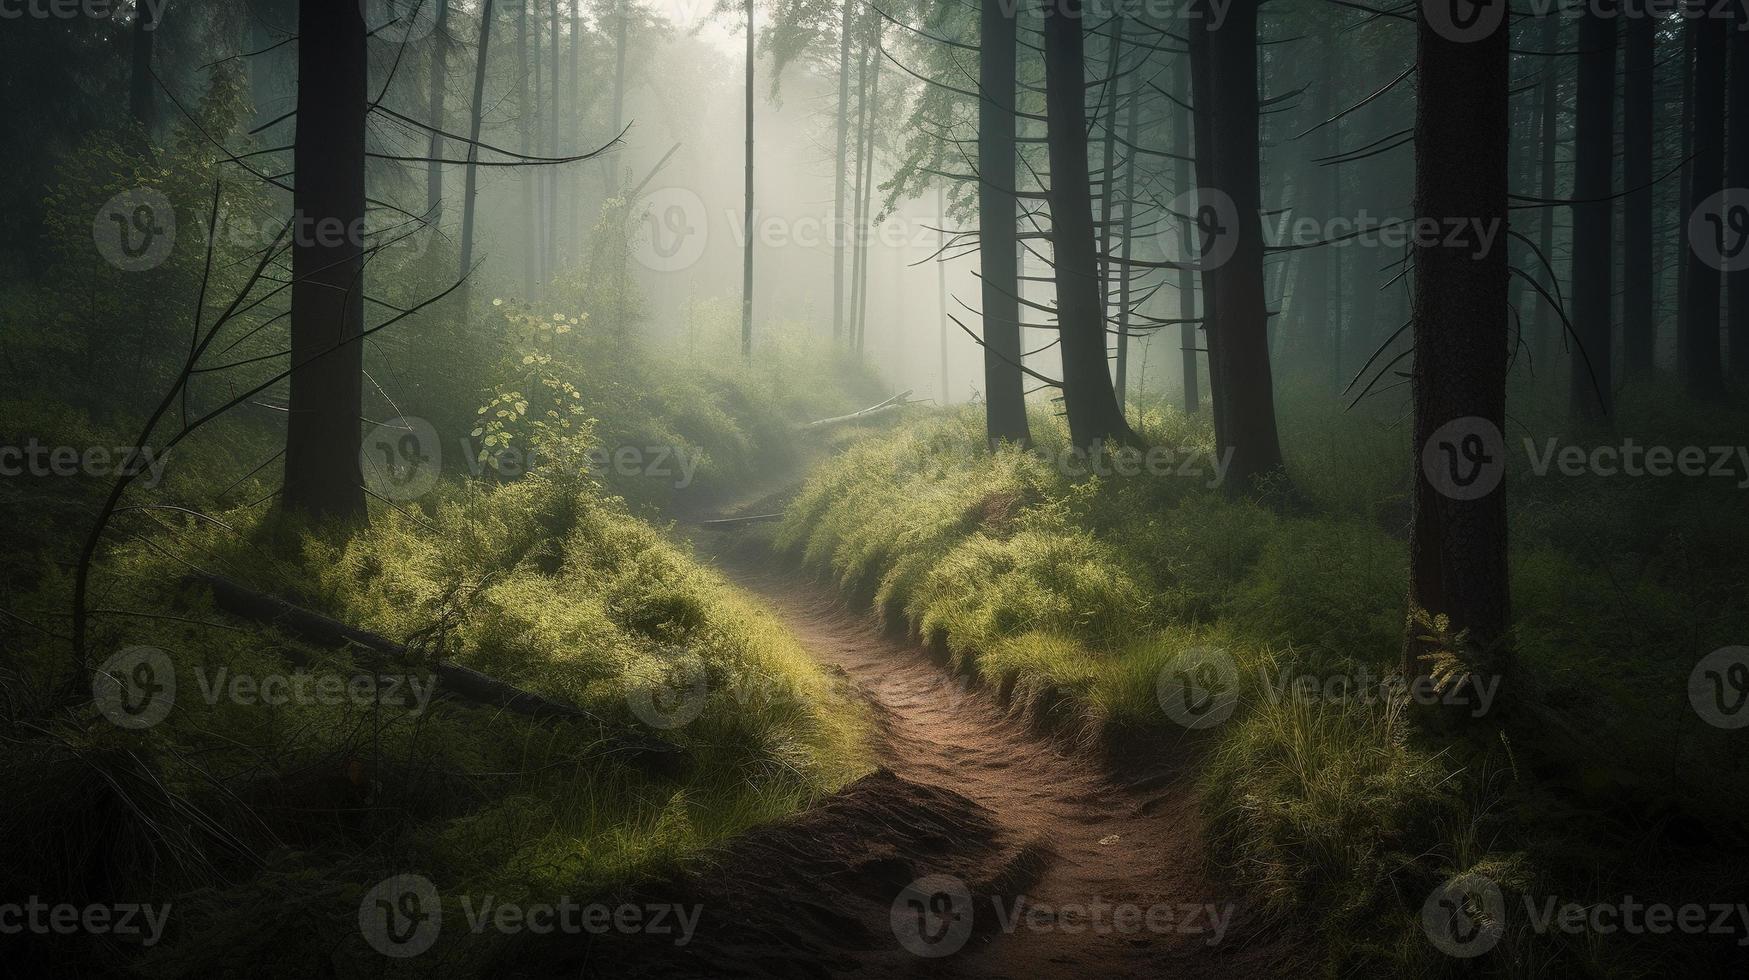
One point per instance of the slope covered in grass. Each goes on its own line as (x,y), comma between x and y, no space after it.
(262,812)
(1084,598)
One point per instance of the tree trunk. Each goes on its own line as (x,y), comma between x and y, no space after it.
(1737,160)
(1686,128)
(747,222)
(941,298)
(619,88)
(535,180)
(574,196)
(1088,398)
(141,88)
(1337,300)
(471,181)
(1187,340)
(868,190)
(1520,160)
(858,199)
(1457,550)
(323,479)
(1548,326)
(1639,328)
(1108,193)
(1589,375)
(1698,331)
(550,213)
(1132,134)
(524,122)
(838,175)
(998,261)
(1240,379)
(1200,62)
(439,85)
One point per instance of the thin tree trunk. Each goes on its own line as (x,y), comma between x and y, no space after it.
(1275,201)
(1457,550)
(998,257)
(573,195)
(525,114)
(1589,385)
(1520,157)
(1737,162)
(838,176)
(1199,62)
(141,88)
(1088,398)
(550,213)
(1698,332)
(1639,327)
(1108,191)
(747,222)
(1547,323)
(1338,308)
(439,87)
(619,86)
(323,479)
(1685,200)
(532,235)
(868,188)
(858,199)
(1187,340)
(1132,134)
(471,181)
(941,297)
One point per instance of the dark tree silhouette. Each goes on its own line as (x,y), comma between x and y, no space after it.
(142,90)
(1237,317)
(1004,390)
(1697,336)
(322,472)
(1593,259)
(472,178)
(1187,278)
(1639,332)
(439,88)
(1548,327)
(1737,175)
(1088,398)
(1457,549)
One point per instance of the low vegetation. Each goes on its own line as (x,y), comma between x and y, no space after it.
(264,816)
(1081,597)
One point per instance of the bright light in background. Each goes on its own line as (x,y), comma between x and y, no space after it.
(687,16)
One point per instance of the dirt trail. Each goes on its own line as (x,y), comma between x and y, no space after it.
(981,847)
(1070,837)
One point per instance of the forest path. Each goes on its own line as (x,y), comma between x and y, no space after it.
(980,847)
(1079,872)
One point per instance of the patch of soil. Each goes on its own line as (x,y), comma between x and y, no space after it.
(981,848)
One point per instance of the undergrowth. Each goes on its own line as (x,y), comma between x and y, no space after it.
(263,823)
(1080,597)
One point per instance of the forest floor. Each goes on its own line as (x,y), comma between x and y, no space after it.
(981,846)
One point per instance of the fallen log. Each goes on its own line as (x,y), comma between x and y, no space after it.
(731,521)
(898,401)
(454,679)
